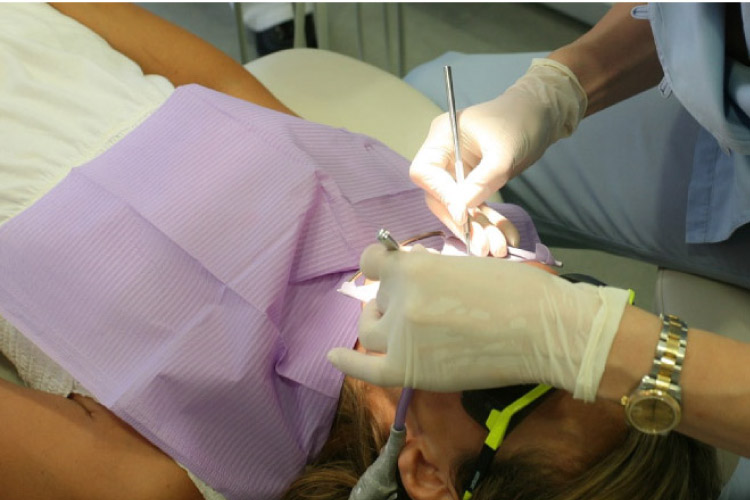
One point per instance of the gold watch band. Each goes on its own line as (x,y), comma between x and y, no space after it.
(670,355)
(654,407)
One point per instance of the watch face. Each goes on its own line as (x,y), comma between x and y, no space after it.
(653,411)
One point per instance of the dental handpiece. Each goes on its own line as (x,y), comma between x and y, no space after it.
(456,146)
(384,237)
(379,480)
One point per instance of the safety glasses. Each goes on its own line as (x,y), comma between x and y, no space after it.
(500,411)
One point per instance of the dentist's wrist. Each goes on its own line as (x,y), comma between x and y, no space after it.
(631,354)
(565,90)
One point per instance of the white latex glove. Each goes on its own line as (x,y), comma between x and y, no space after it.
(443,323)
(499,139)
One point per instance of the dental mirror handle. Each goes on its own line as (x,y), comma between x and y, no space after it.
(456,145)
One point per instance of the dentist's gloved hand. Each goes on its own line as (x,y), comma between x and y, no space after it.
(499,139)
(444,323)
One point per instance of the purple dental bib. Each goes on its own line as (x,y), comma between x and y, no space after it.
(187,278)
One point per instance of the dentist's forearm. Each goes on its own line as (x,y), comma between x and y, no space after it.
(614,60)
(160,47)
(714,380)
(717,391)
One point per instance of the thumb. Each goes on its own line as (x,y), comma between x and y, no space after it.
(492,173)
(431,169)
(372,369)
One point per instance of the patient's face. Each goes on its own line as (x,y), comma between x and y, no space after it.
(570,430)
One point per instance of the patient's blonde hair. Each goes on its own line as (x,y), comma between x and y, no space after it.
(354,443)
(642,467)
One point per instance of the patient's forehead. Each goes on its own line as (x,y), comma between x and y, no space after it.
(569,428)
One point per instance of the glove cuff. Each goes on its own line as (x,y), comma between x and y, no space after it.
(566,92)
(600,338)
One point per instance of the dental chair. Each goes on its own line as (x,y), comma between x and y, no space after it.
(341,91)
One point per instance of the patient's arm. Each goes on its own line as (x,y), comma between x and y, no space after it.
(160,47)
(56,448)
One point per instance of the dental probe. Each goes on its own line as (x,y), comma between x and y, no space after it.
(456,146)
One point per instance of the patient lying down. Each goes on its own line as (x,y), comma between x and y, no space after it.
(180,291)
(203,333)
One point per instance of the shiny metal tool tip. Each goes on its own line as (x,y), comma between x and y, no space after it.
(384,237)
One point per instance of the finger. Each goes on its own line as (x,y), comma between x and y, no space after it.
(479,239)
(371,260)
(479,244)
(498,246)
(509,230)
(372,369)
(443,188)
(441,212)
(487,177)
(369,333)
(432,169)
(417,248)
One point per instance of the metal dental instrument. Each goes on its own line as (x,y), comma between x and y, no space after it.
(384,237)
(379,480)
(456,146)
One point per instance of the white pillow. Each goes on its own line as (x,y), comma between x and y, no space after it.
(65,96)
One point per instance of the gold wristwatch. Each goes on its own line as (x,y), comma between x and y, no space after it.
(654,407)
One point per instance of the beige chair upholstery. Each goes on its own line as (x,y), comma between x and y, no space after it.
(704,303)
(340,91)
